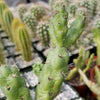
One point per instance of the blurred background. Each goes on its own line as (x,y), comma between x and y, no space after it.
(16,2)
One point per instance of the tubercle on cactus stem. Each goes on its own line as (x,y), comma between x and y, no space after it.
(7,19)
(25,42)
(12,84)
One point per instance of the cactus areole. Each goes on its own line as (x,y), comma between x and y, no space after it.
(62,37)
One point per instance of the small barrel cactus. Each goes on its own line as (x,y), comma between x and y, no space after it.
(2,58)
(3,6)
(31,24)
(73,9)
(38,12)
(21,11)
(12,84)
(8,18)
(43,32)
(25,43)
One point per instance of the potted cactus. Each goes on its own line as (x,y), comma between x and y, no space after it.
(62,37)
(73,77)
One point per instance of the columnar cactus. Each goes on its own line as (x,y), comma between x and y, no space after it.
(38,12)
(80,63)
(2,58)
(8,18)
(43,32)
(3,6)
(12,84)
(21,11)
(51,76)
(94,87)
(31,24)
(25,43)
(14,27)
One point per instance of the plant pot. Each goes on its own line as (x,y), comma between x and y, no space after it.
(80,87)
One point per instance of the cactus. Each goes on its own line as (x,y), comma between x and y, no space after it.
(2,58)
(31,24)
(80,63)
(94,6)
(3,6)
(43,31)
(98,23)
(12,84)
(25,43)
(8,18)
(21,11)
(96,32)
(52,74)
(73,9)
(95,87)
(38,12)
(14,27)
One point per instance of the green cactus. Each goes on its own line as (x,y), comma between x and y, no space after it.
(43,31)
(3,6)
(94,6)
(96,32)
(14,27)
(80,63)
(38,12)
(12,84)
(95,87)
(52,74)
(73,9)
(25,42)
(98,23)
(21,11)
(8,18)
(31,24)
(2,58)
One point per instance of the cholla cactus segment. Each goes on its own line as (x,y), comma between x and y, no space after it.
(73,9)
(14,27)
(38,12)
(31,24)
(7,19)
(43,31)
(12,84)
(25,43)
(51,77)
(22,10)
(93,86)
(2,58)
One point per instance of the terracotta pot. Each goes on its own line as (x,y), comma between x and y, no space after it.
(81,88)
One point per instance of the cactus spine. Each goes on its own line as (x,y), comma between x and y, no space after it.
(25,43)
(38,12)
(2,58)
(43,31)
(51,76)
(31,24)
(8,18)
(12,84)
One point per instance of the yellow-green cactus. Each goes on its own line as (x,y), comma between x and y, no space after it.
(7,19)
(25,42)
